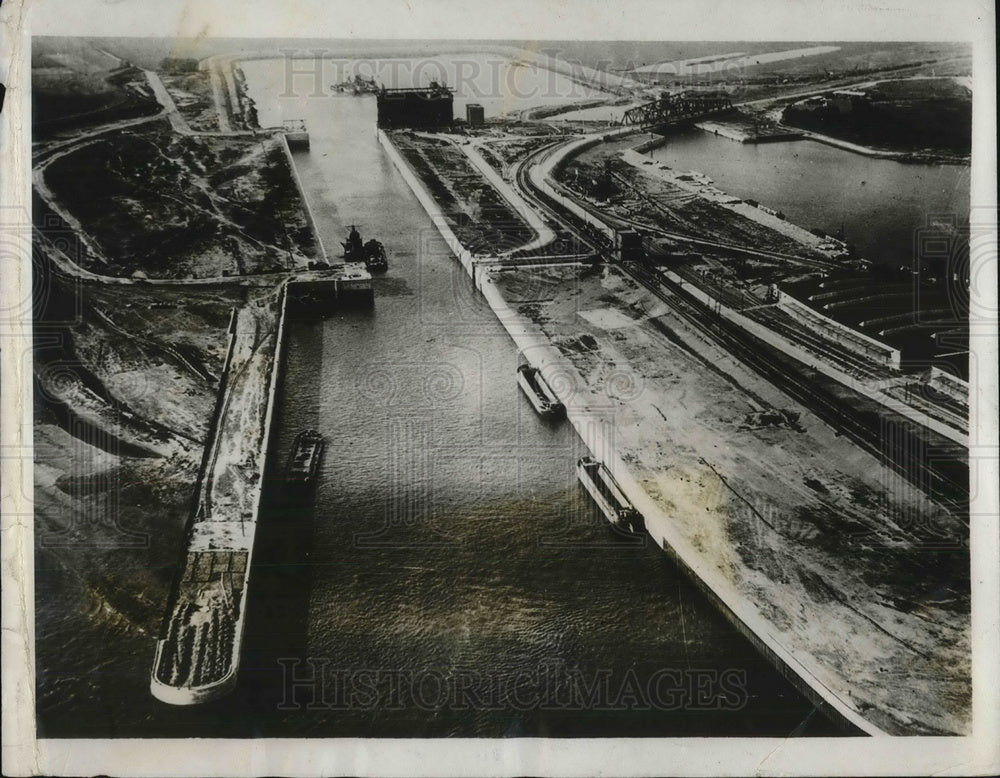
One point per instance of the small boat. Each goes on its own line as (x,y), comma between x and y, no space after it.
(602,486)
(542,398)
(303,462)
(376,260)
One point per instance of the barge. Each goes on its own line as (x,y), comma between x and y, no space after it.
(303,462)
(604,489)
(542,398)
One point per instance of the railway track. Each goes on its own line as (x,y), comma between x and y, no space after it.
(897,442)
(932,463)
(564,219)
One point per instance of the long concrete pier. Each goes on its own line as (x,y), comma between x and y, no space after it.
(323,257)
(767,535)
(198,652)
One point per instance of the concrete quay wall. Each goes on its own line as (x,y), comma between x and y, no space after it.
(948,384)
(277,362)
(305,200)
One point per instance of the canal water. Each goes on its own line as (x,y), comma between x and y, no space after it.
(881,204)
(448,576)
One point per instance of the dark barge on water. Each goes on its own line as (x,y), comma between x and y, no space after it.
(604,489)
(303,462)
(542,398)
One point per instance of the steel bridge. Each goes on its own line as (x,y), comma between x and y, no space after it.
(682,107)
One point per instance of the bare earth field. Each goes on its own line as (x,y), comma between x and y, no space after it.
(192,92)
(123,399)
(169,206)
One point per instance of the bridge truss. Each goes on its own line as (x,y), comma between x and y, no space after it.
(676,108)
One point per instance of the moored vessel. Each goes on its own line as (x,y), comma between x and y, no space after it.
(354,249)
(303,462)
(542,398)
(604,489)
(376,260)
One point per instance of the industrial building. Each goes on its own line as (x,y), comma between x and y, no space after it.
(422,108)
(475,116)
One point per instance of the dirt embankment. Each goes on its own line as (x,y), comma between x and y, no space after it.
(192,93)
(76,86)
(160,205)
(124,388)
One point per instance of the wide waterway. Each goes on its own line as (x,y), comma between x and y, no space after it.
(880,204)
(448,546)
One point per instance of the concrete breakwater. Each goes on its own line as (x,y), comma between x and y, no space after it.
(198,651)
(594,420)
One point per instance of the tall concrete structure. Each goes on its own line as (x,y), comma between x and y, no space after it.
(474,115)
(422,108)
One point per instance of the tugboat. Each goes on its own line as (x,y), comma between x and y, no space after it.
(353,246)
(375,257)
(303,462)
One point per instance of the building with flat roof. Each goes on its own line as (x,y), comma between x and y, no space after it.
(421,108)
(475,116)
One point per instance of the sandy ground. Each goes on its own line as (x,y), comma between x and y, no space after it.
(695,184)
(860,576)
(179,206)
(237,457)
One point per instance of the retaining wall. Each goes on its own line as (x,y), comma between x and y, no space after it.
(305,200)
(948,384)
